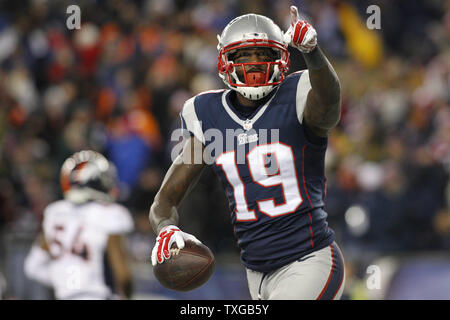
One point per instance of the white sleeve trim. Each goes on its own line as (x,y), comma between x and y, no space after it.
(303,88)
(191,120)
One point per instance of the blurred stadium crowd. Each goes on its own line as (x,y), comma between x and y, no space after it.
(117,85)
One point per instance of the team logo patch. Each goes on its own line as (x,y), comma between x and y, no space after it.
(243,138)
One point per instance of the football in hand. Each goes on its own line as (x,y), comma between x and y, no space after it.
(187,269)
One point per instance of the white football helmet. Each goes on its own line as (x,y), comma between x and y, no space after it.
(88,175)
(252,30)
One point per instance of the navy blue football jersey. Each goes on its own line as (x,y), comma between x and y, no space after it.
(273,175)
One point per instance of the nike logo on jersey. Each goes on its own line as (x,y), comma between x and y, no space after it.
(304,258)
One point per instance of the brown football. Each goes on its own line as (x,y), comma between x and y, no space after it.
(187,269)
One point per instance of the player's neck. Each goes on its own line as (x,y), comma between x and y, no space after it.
(251,103)
(247,102)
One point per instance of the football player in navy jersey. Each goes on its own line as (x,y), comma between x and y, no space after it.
(265,137)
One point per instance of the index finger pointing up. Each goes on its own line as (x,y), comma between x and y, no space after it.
(294,15)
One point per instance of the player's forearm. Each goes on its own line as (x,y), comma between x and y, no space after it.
(125,283)
(326,89)
(118,259)
(127,289)
(181,177)
(37,265)
(162,213)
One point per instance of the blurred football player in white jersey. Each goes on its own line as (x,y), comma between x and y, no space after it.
(80,231)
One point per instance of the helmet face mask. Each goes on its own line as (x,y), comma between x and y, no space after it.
(243,70)
(88,175)
(252,32)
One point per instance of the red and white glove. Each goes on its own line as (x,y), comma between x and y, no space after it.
(300,34)
(166,237)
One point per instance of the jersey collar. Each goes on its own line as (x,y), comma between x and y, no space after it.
(248,123)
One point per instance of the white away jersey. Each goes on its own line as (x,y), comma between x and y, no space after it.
(77,236)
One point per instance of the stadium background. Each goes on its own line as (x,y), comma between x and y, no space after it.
(117,85)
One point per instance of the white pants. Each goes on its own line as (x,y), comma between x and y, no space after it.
(319,275)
